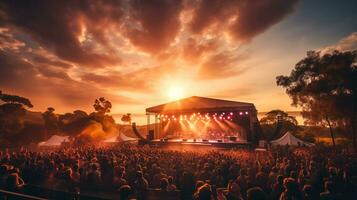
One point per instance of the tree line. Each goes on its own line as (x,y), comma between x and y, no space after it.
(15,130)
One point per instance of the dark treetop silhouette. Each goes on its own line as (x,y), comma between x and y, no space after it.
(325,87)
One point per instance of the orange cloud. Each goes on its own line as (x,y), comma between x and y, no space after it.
(193,50)
(221,65)
(153,25)
(345,44)
(75,51)
(242,19)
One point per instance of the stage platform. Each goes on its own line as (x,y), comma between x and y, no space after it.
(227,144)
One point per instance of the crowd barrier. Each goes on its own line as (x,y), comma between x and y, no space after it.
(36,192)
(8,195)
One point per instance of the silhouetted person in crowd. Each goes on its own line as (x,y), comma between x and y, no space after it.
(75,173)
(124,192)
(3,176)
(309,193)
(242,181)
(291,191)
(141,186)
(255,193)
(187,185)
(277,187)
(14,182)
(94,176)
(171,186)
(163,184)
(330,193)
(119,180)
(204,192)
(233,191)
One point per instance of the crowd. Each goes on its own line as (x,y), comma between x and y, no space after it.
(283,173)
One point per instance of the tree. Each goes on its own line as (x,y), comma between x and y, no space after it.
(51,121)
(126,118)
(102,106)
(12,113)
(276,122)
(271,117)
(13,99)
(325,87)
(98,124)
(73,123)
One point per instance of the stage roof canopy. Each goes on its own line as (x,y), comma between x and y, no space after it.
(200,104)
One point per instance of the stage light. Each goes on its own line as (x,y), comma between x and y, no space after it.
(246,112)
(240,113)
(231,113)
(220,117)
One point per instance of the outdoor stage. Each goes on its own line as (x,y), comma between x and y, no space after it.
(213,122)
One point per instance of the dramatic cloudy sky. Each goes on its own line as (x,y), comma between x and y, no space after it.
(66,53)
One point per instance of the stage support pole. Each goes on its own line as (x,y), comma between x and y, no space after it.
(156,127)
(252,122)
(148,123)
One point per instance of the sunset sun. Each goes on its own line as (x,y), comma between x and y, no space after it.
(175,92)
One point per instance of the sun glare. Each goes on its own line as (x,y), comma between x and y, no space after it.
(175,92)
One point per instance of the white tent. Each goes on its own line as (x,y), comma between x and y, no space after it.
(125,138)
(121,138)
(55,140)
(290,139)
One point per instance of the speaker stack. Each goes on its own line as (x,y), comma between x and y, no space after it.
(150,136)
